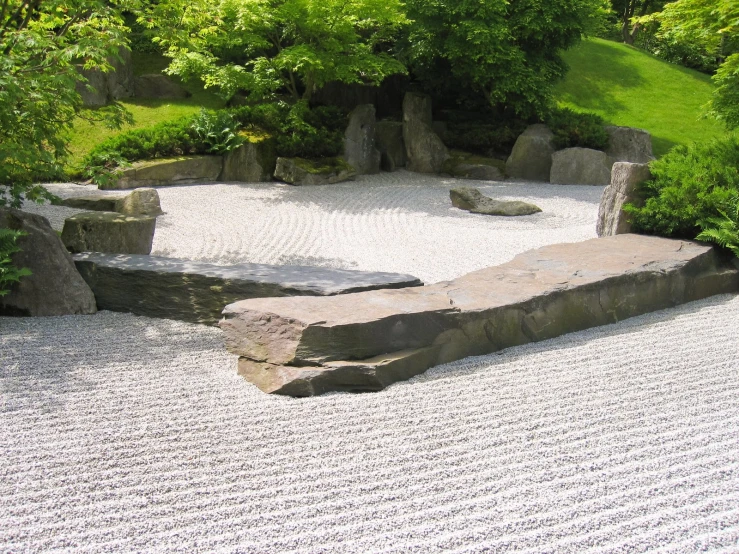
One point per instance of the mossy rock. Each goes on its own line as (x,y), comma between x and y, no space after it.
(464,165)
(324,171)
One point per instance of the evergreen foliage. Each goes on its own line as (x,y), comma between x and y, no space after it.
(8,272)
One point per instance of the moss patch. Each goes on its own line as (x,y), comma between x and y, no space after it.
(323,166)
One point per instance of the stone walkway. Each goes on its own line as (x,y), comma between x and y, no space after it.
(122,433)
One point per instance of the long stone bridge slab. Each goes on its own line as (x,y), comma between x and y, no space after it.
(365,341)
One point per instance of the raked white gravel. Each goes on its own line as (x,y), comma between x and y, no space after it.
(123,433)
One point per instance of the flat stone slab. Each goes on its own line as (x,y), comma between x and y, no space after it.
(366,341)
(197,292)
(183,170)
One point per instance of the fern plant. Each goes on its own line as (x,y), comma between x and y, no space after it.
(8,272)
(723,230)
(217,130)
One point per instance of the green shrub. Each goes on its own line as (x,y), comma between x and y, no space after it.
(573,129)
(690,185)
(217,131)
(723,230)
(8,272)
(481,137)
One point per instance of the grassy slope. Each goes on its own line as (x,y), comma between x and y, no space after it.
(629,87)
(146,112)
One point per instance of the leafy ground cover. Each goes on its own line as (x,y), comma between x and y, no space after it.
(627,86)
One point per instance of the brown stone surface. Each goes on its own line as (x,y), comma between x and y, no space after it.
(304,346)
(54,286)
(625,177)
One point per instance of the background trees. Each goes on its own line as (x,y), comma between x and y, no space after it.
(42,44)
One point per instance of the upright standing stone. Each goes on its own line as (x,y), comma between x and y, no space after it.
(113,85)
(531,157)
(580,166)
(252,162)
(425,150)
(359,141)
(625,177)
(389,137)
(627,144)
(54,286)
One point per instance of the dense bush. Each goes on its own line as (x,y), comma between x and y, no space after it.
(8,272)
(573,129)
(723,230)
(483,138)
(296,130)
(690,185)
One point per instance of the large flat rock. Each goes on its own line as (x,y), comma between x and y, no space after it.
(197,292)
(366,341)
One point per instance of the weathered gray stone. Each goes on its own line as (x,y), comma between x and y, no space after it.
(108,232)
(467,166)
(169,171)
(327,171)
(359,141)
(54,286)
(531,157)
(627,144)
(580,166)
(252,162)
(424,149)
(113,85)
(156,85)
(625,177)
(197,292)
(305,346)
(472,200)
(389,137)
(142,201)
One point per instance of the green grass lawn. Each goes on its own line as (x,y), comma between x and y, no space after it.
(145,111)
(629,87)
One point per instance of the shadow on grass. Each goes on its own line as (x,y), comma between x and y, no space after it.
(661,145)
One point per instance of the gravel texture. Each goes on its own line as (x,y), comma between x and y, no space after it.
(123,433)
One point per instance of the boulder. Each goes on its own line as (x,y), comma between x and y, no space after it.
(252,162)
(156,85)
(304,346)
(580,166)
(389,139)
(142,201)
(108,232)
(468,166)
(627,144)
(101,88)
(359,141)
(531,157)
(625,177)
(327,171)
(472,200)
(425,151)
(197,292)
(54,287)
(169,171)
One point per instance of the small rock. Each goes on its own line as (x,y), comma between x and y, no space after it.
(625,177)
(580,166)
(54,287)
(531,157)
(109,232)
(472,200)
(327,171)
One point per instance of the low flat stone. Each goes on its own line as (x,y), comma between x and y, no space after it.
(142,201)
(109,232)
(197,292)
(162,172)
(472,200)
(365,341)
(328,171)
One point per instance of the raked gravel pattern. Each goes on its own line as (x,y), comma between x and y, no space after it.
(123,434)
(399,222)
(127,434)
